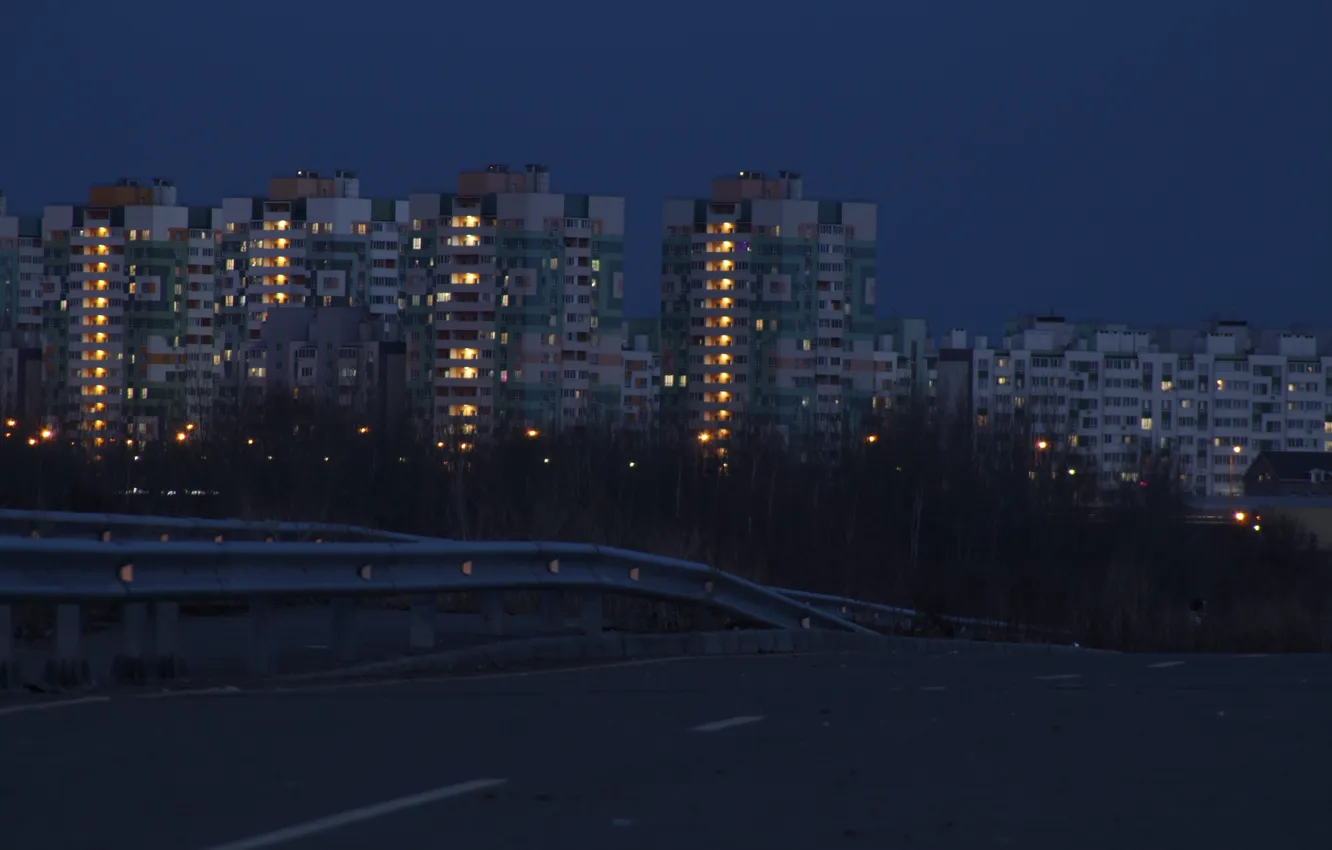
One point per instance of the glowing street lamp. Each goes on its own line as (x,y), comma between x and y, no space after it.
(1234,451)
(180,436)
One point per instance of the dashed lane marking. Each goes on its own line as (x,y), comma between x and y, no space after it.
(351,816)
(728,723)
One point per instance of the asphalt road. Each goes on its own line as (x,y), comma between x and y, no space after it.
(814,752)
(217,648)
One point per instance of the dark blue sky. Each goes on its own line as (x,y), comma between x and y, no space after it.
(1138,160)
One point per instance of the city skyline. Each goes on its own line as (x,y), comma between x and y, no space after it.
(642,298)
(499,306)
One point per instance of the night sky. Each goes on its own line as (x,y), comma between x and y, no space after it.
(1146,161)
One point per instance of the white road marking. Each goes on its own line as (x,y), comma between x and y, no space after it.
(718,725)
(1161,665)
(364,813)
(47,706)
(1057,677)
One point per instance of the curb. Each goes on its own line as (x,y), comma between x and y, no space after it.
(516,653)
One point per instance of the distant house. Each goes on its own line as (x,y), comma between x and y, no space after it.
(1290,474)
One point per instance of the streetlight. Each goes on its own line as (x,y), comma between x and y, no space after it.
(47,433)
(1041,445)
(532,432)
(1234,450)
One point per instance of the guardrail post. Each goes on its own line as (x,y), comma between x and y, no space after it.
(9,677)
(344,628)
(166,650)
(261,621)
(423,622)
(492,611)
(590,611)
(552,611)
(67,669)
(129,665)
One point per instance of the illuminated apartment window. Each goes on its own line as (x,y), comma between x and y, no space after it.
(669,380)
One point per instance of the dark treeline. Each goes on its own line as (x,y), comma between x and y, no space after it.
(919,517)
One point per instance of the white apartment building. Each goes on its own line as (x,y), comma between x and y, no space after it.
(1198,404)
(312,244)
(131,276)
(765,296)
(642,374)
(525,288)
(21,275)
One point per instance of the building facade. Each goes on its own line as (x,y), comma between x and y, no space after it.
(21,276)
(128,295)
(1196,405)
(516,305)
(641,388)
(311,282)
(767,310)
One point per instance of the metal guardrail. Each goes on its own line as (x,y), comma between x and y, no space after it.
(878,616)
(854,610)
(67,524)
(69,572)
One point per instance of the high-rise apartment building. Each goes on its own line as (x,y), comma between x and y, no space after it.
(20,273)
(128,301)
(311,279)
(641,388)
(513,306)
(767,302)
(1199,405)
